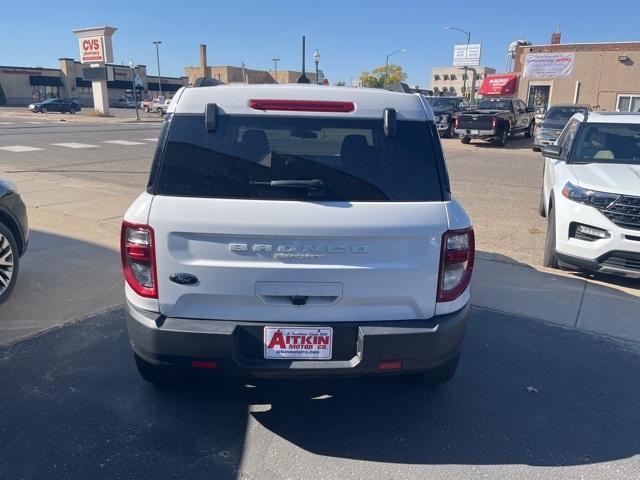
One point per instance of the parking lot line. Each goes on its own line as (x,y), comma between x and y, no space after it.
(123,142)
(75,145)
(19,148)
(150,139)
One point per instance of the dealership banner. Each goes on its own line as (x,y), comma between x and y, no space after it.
(499,85)
(548,65)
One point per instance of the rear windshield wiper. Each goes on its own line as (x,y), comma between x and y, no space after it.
(313,184)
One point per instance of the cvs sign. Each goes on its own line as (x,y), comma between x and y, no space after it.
(92,50)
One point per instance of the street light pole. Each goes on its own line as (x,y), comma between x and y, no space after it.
(275,68)
(466,57)
(132,66)
(157,43)
(386,65)
(316,59)
(303,77)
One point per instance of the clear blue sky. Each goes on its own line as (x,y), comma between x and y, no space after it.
(351,35)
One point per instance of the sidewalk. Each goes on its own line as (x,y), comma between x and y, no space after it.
(72,270)
(85,116)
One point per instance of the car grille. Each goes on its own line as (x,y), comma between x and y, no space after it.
(626,260)
(625,212)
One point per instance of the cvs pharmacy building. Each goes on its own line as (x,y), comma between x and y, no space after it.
(603,75)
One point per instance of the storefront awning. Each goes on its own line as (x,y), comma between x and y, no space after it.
(166,87)
(45,81)
(503,85)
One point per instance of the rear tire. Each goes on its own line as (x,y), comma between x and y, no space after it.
(72,111)
(550,259)
(501,141)
(145,109)
(441,374)
(529,132)
(465,140)
(9,262)
(153,374)
(448,133)
(536,149)
(43,109)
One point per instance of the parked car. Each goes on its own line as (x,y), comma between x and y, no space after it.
(591,194)
(14,236)
(495,119)
(123,103)
(548,130)
(445,110)
(148,105)
(161,108)
(320,240)
(62,105)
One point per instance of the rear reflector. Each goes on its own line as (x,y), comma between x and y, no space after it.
(390,365)
(210,364)
(302,105)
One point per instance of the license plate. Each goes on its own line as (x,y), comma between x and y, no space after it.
(475,132)
(307,343)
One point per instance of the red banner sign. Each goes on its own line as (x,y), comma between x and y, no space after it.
(503,85)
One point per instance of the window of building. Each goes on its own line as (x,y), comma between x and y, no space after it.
(628,103)
(452,76)
(452,90)
(436,89)
(436,77)
(445,77)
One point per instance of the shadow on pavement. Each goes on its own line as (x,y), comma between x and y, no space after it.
(514,143)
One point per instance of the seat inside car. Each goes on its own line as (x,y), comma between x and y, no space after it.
(356,154)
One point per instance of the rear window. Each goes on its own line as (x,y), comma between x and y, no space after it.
(286,158)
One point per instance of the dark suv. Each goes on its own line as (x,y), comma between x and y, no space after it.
(445,110)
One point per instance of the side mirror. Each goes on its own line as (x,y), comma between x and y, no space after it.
(552,151)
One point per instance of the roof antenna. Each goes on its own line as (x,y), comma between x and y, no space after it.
(303,78)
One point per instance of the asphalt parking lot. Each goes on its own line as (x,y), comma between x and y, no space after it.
(537,396)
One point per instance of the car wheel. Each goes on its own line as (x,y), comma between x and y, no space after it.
(159,111)
(154,374)
(145,109)
(529,132)
(536,149)
(465,140)
(43,109)
(541,209)
(9,262)
(550,259)
(449,131)
(441,374)
(72,110)
(502,139)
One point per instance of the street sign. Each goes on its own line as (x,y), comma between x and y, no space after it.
(138,81)
(467,55)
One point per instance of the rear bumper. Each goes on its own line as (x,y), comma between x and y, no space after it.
(236,347)
(467,132)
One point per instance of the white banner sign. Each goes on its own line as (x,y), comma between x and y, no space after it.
(548,65)
(466,57)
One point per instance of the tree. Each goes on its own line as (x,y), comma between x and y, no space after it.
(340,84)
(381,76)
(3,98)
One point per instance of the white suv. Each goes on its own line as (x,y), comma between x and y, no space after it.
(297,230)
(591,194)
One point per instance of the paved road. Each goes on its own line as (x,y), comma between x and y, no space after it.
(111,153)
(531,401)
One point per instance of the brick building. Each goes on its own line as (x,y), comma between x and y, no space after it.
(450,80)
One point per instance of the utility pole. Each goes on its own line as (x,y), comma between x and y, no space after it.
(244,76)
(275,68)
(466,57)
(157,43)
(386,65)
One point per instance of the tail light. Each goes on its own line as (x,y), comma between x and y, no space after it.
(456,263)
(139,259)
(494,123)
